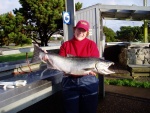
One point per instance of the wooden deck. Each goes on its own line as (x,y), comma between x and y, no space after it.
(139,70)
(131,71)
(120,71)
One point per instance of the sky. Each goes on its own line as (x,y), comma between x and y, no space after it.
(9,5)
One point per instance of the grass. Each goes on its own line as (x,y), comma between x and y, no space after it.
(127,82)
(12,46)
(14,57)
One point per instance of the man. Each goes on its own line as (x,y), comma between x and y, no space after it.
(80,93)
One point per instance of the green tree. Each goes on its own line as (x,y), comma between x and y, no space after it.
(6,27)
(11,29)
(142,27)
(149,32)
(36,20)
(110,34)
(42,18)
(78,6)
(22,37)
(128,33)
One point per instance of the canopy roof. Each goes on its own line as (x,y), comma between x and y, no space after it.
(121,12)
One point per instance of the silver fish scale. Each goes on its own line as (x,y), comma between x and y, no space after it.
(73,65)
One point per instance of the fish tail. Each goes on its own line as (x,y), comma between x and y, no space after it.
(35,57)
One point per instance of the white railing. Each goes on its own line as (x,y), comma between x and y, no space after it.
(26,50)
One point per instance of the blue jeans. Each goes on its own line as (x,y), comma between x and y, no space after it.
(80,94)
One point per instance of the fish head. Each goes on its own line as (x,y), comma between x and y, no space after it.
(102,67)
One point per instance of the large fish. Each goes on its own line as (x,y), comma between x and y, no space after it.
(75,65)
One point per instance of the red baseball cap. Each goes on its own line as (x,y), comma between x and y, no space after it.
(83,24)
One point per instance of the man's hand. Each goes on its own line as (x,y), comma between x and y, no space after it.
(44,58)
(92,73)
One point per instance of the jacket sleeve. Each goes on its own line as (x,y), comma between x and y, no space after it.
(94,51)
(62,51)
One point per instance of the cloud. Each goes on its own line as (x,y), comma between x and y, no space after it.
(8,5)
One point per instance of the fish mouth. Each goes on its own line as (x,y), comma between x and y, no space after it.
(105,71)
(112,63)
(110,66)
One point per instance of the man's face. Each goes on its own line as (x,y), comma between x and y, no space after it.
(80,33)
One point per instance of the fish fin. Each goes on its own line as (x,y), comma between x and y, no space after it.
(87,69)
(69,55)
(43,72)
(80,73)
(49,64)
(43,61)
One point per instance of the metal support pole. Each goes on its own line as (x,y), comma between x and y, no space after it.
(101,86)
(145,31)
(145,2)
(145,25)
(68,28)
